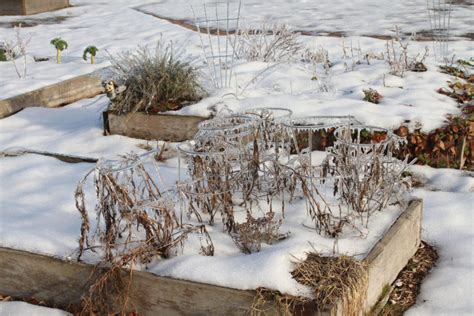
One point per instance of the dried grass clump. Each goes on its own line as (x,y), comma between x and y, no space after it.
(270,43)
(270,302)
(334,279)
(336,282)
(155,81)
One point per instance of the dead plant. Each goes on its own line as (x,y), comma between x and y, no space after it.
(363,156)
(270,43)
(17,47)
(250,235)
(321,190)
(135,212)
(398,58)
(351,55)
(270,302)
(136,224)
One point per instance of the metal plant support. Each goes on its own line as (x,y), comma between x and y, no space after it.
(232,161)
(301,132)
(237,164)
(270,147)
(439,15)
(136,212)
(218,50)
(363,154)
(219,163)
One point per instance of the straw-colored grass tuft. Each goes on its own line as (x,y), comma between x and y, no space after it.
(335,281)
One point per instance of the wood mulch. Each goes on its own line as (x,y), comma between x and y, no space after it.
(406,287)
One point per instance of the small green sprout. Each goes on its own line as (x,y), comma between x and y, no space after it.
(60,45)
(91,50)
(3,56)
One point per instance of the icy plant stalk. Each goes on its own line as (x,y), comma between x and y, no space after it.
(15,48)
(439,14)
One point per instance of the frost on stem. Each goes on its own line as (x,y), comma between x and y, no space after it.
(398,58)
(15,48)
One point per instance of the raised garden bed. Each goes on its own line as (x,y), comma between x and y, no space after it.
(27,7)
(61,283)
(55,95)
(174,128)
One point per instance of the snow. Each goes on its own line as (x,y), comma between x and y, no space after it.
(22,308)
(53,227)
(36,192)
(76,130)
(113,29)
(53,223)
(369,17)
(448,224)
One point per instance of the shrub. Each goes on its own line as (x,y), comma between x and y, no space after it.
(371,95)
(14,48)
(271,43)
(154,82)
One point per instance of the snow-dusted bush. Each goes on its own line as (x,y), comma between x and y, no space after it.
(316,56)
(17,47)
(270,43)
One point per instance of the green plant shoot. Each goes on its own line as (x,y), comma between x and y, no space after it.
(91,50)
(60,45)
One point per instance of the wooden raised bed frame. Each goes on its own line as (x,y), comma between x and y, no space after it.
(169,127)
(54,95)
(61,283)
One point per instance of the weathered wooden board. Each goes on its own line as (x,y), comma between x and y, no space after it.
(61,283)
(174,128)
(391,254)
(58,94)
(26,7)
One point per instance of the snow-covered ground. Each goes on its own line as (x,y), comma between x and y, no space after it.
(448,224)
(37,210)
(114,28)
(22,308)
(52,224)
(368,17)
